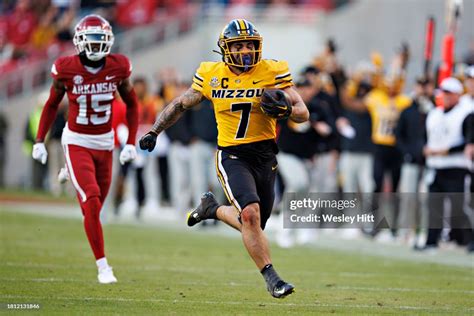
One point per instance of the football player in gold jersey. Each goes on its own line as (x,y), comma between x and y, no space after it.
(245,160)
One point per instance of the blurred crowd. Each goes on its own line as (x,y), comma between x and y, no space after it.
(32,30)
(371,131)
(35,30)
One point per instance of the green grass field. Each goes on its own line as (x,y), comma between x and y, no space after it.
(47,261)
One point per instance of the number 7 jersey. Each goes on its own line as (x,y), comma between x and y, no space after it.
(91,95)
(236,99)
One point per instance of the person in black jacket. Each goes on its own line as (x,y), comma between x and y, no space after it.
(324,113)
(298,143)
(356,162)
(468,100)
(180,135)
(410,136)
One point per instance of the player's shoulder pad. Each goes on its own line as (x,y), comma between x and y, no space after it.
(60,64)
(276,66)
(204,72)
(120,58)
(124,63)
(207,67)
(279,72)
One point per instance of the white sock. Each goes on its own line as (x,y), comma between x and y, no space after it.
(102,263)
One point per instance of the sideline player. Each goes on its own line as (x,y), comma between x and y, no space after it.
(91,78)
(245,160)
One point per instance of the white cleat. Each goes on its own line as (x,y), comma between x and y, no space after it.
(63,175)
(106,276)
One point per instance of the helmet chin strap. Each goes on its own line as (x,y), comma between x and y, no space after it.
(91,63)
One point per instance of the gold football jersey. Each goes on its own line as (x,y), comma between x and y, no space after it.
(236,99)
(385,113)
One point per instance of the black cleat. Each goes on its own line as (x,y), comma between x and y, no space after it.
(206,210)
(281,289)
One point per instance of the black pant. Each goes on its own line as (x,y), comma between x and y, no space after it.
(164,176)
(248,181)
(448,184)
(386,158)
(141,193)
(472,190)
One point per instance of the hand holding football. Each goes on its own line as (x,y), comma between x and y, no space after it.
(275,103)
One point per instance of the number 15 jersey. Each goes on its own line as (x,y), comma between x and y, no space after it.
(236,99)
(90,94)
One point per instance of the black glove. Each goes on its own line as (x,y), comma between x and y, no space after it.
(274,103)
(148,141)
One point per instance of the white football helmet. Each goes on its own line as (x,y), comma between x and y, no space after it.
(93,35)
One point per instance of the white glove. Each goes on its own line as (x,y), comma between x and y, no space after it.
(128,154)
(63,175)
(40,153)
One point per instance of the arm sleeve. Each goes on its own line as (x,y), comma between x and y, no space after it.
(49,113)
(131,100)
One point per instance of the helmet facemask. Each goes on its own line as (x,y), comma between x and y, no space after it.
(242,60)
(96,44)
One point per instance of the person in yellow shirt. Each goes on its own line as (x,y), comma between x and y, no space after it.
(384,104)
(245,160)
(385,108)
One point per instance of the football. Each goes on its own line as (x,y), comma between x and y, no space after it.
(271,94)
(275,103)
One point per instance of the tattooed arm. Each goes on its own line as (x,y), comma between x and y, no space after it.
(173,111)
(170,114)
